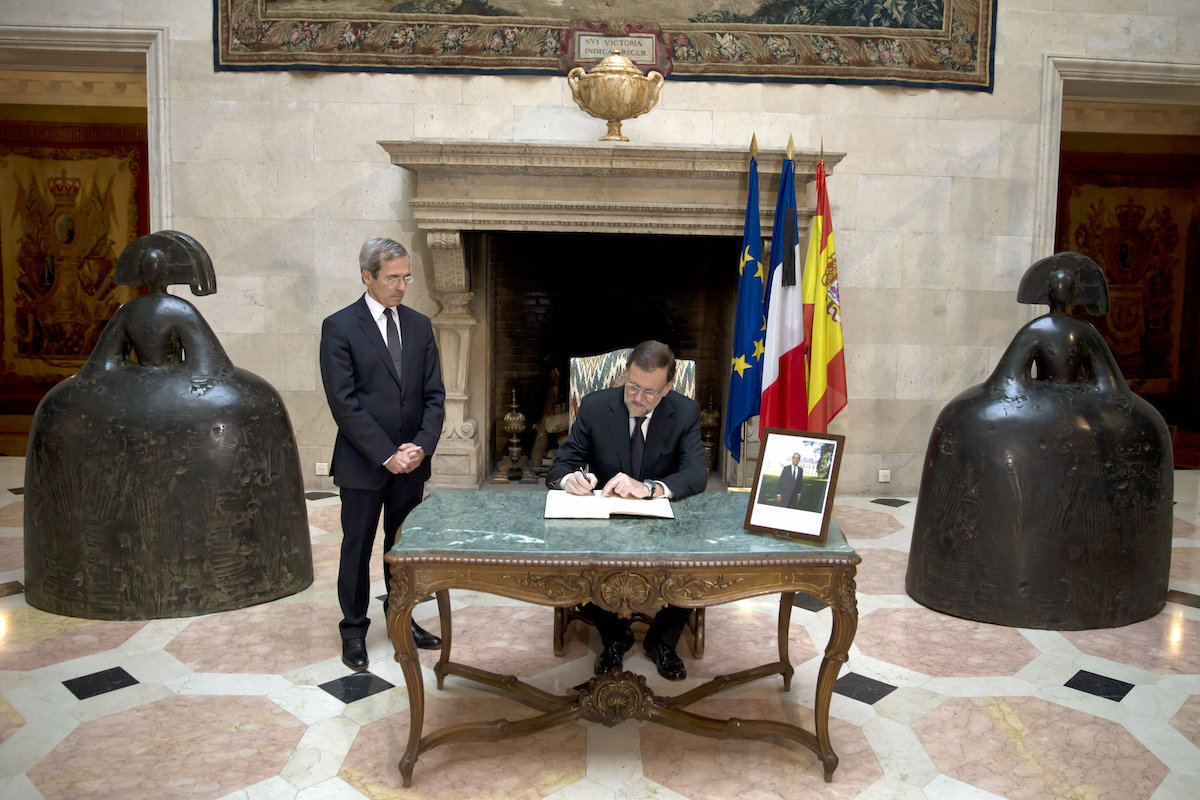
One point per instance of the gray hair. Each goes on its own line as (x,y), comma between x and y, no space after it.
(651,355)
(376,250)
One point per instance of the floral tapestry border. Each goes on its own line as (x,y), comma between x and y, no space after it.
(253,35)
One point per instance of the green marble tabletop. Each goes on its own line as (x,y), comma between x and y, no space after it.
(488,523)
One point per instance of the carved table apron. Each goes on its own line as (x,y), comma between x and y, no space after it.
(497,542)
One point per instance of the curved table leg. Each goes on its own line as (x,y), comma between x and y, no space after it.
(845,623)
(447,633)
(697,626)
(399,621)
(561,620)
(785,628)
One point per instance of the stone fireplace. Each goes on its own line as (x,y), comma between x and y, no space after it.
(471,195)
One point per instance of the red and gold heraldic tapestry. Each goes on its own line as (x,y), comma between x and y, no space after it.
(71,197)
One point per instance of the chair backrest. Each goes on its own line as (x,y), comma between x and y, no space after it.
(592,373)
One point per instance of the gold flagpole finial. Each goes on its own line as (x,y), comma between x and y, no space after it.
(791,150)
(753,145)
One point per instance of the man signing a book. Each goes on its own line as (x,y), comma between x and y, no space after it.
(639,441)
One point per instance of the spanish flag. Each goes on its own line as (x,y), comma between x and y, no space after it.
(823,318)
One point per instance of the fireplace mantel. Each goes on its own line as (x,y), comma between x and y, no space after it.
(587,188)
(591,188)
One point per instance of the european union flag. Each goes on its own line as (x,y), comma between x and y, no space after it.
(745,375)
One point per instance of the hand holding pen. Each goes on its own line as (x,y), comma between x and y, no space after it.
(580,482)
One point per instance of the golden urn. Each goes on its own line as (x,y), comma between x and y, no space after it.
(614,90)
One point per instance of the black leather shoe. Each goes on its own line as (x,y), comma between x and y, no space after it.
(354,653)
(670,666)
(424,639)
(611,657)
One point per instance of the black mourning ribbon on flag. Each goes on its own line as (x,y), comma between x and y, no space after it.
(789,250)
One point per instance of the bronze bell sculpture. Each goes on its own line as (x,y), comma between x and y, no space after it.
(1046,496)
(161,480)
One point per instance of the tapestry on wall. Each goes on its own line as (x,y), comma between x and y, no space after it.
(71,197)
(927,43)
(1138,217)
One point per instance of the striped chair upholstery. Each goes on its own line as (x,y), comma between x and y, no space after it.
(592,373)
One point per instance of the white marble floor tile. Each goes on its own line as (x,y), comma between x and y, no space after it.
(320,753)
(899,751)
(946,788)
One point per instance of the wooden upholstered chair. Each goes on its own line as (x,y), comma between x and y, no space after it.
(606,370)
(591,373)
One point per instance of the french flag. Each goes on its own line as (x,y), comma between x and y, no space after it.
(784,395)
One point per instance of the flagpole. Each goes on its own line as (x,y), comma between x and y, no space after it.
(744,428)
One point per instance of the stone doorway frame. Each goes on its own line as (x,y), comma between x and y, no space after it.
(46,47)
(1092,78)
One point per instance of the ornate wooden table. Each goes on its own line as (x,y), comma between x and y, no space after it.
(497,542)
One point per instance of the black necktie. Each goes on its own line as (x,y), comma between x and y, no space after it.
(393,342)
(637,447)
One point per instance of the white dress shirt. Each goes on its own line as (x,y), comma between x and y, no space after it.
(645,427)
(380,314)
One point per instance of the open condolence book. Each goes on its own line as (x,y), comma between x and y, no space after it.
(564,505)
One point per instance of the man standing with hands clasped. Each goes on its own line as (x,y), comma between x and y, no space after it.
(640,440)
(383,381)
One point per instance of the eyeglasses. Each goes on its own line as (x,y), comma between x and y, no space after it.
(636,390)
(391,280)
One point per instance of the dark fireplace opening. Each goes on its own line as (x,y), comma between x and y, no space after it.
(557,295)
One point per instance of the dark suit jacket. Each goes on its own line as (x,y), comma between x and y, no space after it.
(789,487)
(600,439)
(374,416)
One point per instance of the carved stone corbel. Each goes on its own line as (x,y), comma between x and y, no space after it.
(459,461)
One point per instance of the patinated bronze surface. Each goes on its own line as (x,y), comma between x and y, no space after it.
(1046,496)
(161,480)
(498,542)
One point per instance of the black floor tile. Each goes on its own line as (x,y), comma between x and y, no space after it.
(100,683)
(808,602)
(863,689)
(1099,685)
(10,588)
(890,501)
(356,686)
(1183,598)
(318,495)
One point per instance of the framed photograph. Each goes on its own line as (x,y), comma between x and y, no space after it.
(793,488)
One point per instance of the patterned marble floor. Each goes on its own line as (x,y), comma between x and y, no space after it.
(255,703)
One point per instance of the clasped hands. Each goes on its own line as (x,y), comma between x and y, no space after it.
(621,485)
(407,457)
